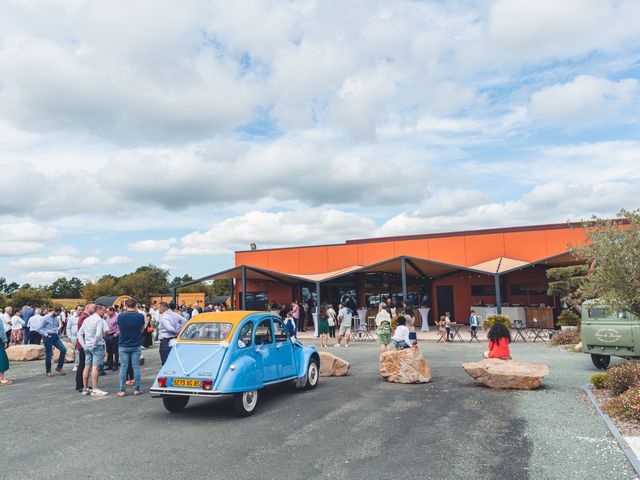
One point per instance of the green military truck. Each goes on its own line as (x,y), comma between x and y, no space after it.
(605,333)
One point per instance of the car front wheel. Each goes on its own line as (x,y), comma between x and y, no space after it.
(600,361)
(175,404)
(245,403)
(313,374)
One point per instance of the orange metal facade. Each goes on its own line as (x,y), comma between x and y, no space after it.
(523,245)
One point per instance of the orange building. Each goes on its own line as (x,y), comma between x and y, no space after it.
(454,272)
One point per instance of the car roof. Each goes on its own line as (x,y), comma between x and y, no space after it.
(234,317)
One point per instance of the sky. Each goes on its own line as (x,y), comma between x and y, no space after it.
(175,133)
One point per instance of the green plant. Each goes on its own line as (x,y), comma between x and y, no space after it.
(599,380)
(568,337)
(626,405)
(623,377)
(568,318)
(488,322)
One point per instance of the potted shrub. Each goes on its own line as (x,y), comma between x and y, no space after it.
(488,322)
(568,320)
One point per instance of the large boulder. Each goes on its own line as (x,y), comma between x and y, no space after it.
(405,366)
(69,356)
(25,353)
(498,373)
(332,366)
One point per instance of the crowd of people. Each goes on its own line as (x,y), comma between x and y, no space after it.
(122,332)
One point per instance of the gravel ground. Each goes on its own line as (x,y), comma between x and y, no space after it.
(356,427)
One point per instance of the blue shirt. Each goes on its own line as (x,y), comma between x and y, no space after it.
(49,325)
(26,314)
(130,326)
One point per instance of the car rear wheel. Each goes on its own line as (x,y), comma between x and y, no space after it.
(245,403)
(313,374)
(175,404)
(600,361)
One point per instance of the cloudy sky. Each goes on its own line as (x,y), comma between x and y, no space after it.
(175,133)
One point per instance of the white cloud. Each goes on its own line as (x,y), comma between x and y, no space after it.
(15,249)
(268,229)
(152,245)
(66,250)
(118,260)
(54,263)
(587,101)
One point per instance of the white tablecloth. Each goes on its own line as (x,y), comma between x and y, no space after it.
(424,313)
(315,325)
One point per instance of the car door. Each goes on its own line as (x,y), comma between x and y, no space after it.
(265,350)
(284,351)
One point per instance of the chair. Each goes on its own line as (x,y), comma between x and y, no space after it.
(362,333)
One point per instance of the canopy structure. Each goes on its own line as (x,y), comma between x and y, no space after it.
(405,266)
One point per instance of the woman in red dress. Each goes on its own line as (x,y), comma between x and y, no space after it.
(499,340)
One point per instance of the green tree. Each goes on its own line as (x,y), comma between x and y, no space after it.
(144,282)
(4,301)
(63,288)
(565,283)
(104,286)
(180,280)
(613,248)
(37,296)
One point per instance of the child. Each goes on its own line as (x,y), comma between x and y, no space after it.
(290,325)
(408,315)
(473,322)
(16,329)
(400,337)
(442,327)
(499,339)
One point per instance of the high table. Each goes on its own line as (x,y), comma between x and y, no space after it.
(362,317)
(424,314)
(315,325)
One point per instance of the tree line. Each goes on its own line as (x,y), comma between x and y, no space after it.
(140,284)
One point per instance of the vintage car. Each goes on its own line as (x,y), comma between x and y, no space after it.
(605,333)
(235,354)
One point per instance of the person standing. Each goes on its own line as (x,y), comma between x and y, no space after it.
(383,327)
(112,339)
(89,309)
(295,312)
(333,320)
(91,336)
(49,331)
(4,360)
(6,322)
(147,333)
(35,322)
(72,332)
(26,313)
(131,324)
(169,326)
(474,322)
(323,328)
(345,315)
(17,324)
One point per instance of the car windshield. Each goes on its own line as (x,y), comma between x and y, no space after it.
(211,331)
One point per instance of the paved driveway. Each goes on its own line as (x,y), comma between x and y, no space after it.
(356,427)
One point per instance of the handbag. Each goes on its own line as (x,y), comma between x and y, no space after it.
(150,329)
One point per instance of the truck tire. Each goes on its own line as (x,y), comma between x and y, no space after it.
(175,404)
(601,361)
(245,403)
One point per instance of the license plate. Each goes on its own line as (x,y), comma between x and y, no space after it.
(186,382)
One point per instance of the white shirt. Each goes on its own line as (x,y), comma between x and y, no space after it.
(6,320)
(35,322)
(72,326)
(17,323)
(194,313)
(402,335)
(91,333)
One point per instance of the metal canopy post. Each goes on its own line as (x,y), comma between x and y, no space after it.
(244,288)
(403,262)
(174,295)
(496,279)
(318,298)
(231,281)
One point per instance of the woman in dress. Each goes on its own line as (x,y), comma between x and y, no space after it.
(147,334)
(323,328)
(383,327)
(4,360)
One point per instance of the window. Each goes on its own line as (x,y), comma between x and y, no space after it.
(257,300)
(603,312)
(263,332)
(483,290)
(528,289)
(244,338)
(209,331)
(281,332)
